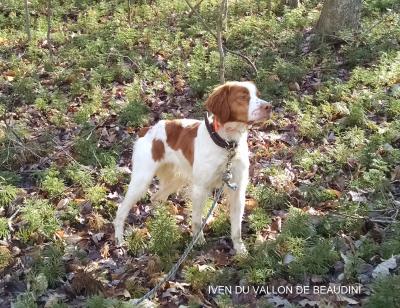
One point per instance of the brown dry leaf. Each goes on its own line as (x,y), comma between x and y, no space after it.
(154,265)
(10,75)
(60,234)
(172,208)
(84,283)
(276,224)
(335,192)
(96,221)
(105,251)
(251,204)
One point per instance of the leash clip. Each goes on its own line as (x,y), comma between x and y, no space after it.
(227,176)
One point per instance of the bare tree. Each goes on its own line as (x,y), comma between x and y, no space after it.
(129,12)
(49,14)
(337,15)
(221,26)
(27,21)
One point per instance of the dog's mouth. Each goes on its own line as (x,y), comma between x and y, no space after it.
(260,115)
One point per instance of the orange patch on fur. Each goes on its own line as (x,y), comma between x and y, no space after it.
(229,103)
(182,138)
(143,131)
(157,149)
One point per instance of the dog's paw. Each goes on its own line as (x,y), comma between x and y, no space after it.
(119,240)
(200,239)
(240,249)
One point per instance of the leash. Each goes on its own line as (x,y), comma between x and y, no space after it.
(226,178)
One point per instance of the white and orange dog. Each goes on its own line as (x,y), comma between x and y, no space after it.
(193,152)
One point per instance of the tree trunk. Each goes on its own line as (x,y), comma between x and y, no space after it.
(337,15)
(49,13)
(27,21)
(221,26)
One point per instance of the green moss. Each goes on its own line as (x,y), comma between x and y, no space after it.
(316,260)
(258,219)
(386,292)
(40,217)
(298,224)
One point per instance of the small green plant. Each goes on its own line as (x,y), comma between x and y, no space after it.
(4,229)
(270,198)
(356,116)
(288,72)
(136,241)
(39,283)
(135,287)
(314,194)
(164,233)
(135,114)
(40,217)
(295,246)
(309,127)
(298,224)
(5,257)
(79,174)
(375,178)
(98,301)
(391,245)
(110,174)
(352,266)
(25,300)
(220,225)
(198,276)
(95,194)
(262,264)
(386,292)
(52,184)
(7,194)
(259,219)
(201,74)
(368,249)
(316,260)
(51,264)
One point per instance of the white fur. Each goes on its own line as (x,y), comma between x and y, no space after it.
(174,170)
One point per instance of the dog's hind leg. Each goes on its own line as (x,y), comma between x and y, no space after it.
(143,171)
(169,183)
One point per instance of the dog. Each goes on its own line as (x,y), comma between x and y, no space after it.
(194,152)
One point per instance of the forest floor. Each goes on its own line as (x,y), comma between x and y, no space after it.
(323,205)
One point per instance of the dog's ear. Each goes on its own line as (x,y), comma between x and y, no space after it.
(218,103)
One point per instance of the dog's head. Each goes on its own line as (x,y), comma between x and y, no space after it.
(238,102)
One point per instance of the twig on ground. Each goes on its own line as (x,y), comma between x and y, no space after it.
(10,219)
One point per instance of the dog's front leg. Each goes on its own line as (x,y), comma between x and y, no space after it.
(199,196)
(236,201)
